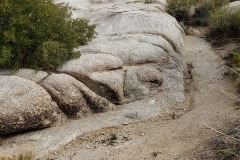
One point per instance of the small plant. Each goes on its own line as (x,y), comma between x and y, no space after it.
(236,59)
(113,137)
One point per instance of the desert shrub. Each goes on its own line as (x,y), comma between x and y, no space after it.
(225,24)
(231,152)
(181,10)
(203,10)
(39,34)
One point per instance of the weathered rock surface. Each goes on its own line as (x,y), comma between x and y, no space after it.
(91,69)
(68,97)
(74,97)
(92,63)
(33,75)
(141,81)
(137,35)
(24,105)
(234,6)
(111,80)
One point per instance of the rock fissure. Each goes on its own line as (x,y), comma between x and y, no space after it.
(175,48)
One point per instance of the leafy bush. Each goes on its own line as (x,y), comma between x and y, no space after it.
(236,59)
(39,34)
(225,23)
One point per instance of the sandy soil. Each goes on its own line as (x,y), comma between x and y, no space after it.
(170,138)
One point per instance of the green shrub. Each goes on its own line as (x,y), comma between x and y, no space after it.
(225,24)
(236,59)
(39,34)
(46,53)
(113,137)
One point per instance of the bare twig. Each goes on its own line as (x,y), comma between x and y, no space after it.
(228,94)
(233,70)
(219,131)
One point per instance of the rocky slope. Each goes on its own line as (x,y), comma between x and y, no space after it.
(137,53)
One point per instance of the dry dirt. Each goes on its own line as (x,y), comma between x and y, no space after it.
(174,137)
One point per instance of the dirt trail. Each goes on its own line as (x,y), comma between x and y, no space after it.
(173,138)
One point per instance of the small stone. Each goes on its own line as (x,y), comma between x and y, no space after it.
(142,134)
(156,153)
(125,136)
(172,115)
(82,138)
(88,147)
(152,101)
(125,123)
(55,153)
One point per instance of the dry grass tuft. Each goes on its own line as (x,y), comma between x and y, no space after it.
(26,155)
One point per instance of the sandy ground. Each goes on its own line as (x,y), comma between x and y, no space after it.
(170,138)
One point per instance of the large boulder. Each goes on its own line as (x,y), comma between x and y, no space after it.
(69,98)
(131,35)
(24,105)
(137,52)
(74,97)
